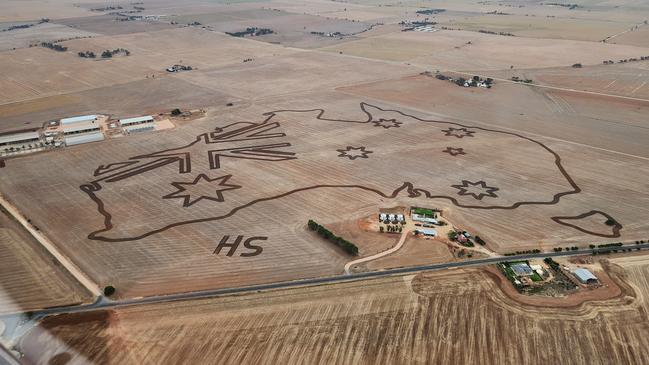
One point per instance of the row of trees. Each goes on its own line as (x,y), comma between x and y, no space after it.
(559,249)
(349,247)
(392,229)
(56,47)
(251,31)
(87,54)
(527,252)
(108,53)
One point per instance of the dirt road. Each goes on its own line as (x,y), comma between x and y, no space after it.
(79,275)
(396,248)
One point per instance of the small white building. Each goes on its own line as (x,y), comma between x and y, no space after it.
(383,216)
(400,218)
(391,217)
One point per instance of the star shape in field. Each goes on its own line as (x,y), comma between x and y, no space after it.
(354,152)
(387,123)
(201,188)
(458,132)
(477,190)
(454,151)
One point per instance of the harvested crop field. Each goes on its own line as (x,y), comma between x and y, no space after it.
(454,317)
(31,279)
(456,50)
(151,224)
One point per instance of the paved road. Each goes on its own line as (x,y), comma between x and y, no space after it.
(103,303)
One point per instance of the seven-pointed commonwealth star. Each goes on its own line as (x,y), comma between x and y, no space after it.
(387,123)
(201,188)
(454,151)
(478,189)
(458,132)
(354,152)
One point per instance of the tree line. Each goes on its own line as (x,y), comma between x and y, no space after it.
(349,247)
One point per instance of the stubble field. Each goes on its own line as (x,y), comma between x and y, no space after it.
(454,317)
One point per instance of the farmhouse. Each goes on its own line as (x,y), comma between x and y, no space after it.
(521,269)
(585,276)
(137,124)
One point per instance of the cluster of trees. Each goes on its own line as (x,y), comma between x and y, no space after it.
(480,241)
(559,249)
(25,26)
(108,53)
(87,54)
(517,79)
(430,11)
(625,60)
(107,8)
(56,47)
(325,34)
(496,33)
(392,229)
(527,252)
(349,247)
(251,31)
(606,245)
(569,6)
(577,65)
(553,264)
(109,290)
(14,27)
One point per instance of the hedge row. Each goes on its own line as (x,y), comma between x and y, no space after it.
(349,247)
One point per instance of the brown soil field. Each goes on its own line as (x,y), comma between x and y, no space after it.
(31,279)
(450,50)
(639,37)
(455,317)
(145,252)
(107,25)
(542,27)
(580,118)
(38,72)
(629,79)
(46,32)
(415,251)
(170,92)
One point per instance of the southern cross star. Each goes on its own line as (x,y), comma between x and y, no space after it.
(454,151)
(201,188)
(387,123)
(478,189)
(458,132)
(354,152)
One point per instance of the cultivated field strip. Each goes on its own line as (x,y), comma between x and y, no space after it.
(452,318)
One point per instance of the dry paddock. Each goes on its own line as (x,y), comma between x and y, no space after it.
(31,279)
(454,317)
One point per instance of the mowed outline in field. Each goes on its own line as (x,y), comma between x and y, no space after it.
(413,192)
